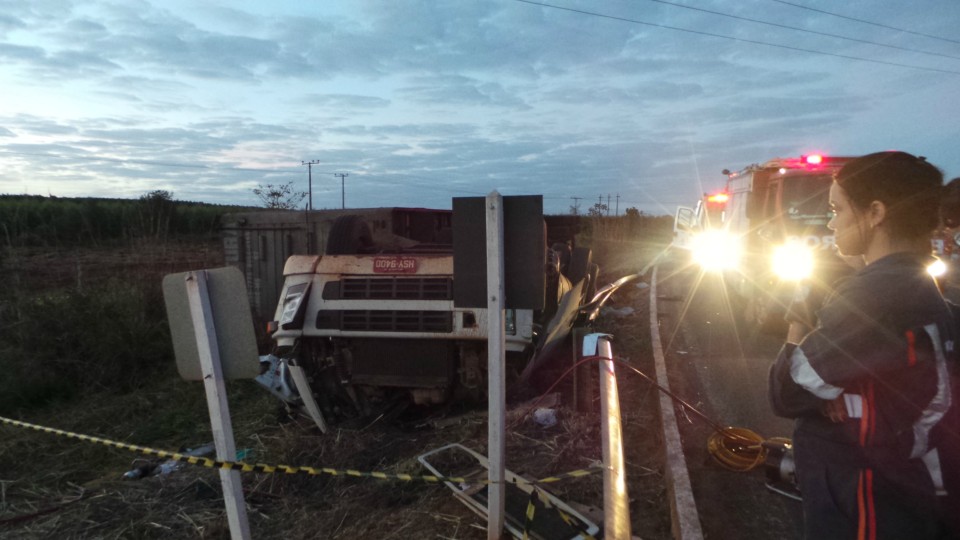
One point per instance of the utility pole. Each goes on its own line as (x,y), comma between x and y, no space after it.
(608,204)
(576,205)
(343,196)
(618,205)
(310,165)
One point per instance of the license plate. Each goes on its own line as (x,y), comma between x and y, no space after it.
(394,265)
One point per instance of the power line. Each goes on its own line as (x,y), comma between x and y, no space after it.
(755,42)
(777,25)
(865,22)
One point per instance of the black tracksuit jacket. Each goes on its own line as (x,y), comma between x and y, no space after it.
(884,345)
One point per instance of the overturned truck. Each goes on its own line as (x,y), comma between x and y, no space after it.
(369,325)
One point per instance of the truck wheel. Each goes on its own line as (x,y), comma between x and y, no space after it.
(580,263)
(349,235)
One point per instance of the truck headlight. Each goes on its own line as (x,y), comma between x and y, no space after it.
(293,306)
(716,250)
(793,261)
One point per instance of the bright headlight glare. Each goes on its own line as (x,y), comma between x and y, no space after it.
(937,268)
(716,250)
(793,262)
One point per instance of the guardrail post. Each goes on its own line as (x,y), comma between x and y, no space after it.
(616,504)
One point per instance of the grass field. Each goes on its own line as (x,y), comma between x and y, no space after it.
(84,347)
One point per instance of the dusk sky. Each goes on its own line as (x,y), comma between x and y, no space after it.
(419,101)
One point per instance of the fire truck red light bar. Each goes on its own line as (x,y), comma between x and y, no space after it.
(718,198)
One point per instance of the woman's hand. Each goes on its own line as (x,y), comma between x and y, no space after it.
(835,409)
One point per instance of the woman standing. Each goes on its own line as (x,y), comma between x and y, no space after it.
(869,386)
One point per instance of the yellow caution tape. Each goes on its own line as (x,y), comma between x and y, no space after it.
(287,469)
(567,518)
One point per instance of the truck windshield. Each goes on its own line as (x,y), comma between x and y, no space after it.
(807,197)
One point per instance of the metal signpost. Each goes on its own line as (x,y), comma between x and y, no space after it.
(495,236)
(217,402)
(496,385)
(200,305)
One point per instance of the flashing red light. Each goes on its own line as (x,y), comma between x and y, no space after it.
(813,159)
(718,198)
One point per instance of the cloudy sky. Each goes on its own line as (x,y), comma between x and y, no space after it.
(419,101)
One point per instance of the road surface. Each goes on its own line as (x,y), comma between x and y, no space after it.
(724,374)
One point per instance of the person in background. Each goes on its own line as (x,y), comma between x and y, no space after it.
(947,236)
(869,386)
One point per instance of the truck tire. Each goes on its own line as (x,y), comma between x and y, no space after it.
(579,266)
(349,235)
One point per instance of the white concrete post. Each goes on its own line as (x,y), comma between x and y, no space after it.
(496,377)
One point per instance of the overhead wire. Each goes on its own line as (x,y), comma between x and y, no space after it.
(732,38)
(806,30)
(881,25)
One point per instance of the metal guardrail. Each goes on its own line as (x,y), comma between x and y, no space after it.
(616,504)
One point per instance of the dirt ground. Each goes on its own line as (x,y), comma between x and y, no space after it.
(63,488)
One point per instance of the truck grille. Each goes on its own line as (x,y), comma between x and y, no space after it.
(415,288)
(386,320)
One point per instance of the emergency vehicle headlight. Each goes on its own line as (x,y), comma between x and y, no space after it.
(937,268)
(792,262)
(716,250)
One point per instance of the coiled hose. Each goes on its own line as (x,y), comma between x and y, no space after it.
(740,449)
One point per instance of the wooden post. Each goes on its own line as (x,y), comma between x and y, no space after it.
(213,383)
(496,377)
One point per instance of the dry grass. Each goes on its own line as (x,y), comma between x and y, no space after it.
(53,487)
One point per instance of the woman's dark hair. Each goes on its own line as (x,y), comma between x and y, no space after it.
(907,185)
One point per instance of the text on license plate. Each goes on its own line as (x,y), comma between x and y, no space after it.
(394,265)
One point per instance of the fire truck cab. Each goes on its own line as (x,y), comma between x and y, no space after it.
(773,235)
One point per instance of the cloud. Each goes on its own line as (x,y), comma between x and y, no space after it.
(349,101)
(460,90)
(8,23)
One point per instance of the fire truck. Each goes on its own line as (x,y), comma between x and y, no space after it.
(772,235)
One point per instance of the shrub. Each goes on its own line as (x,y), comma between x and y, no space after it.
(60,344)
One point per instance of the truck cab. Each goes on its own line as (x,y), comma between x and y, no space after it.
(366,324)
